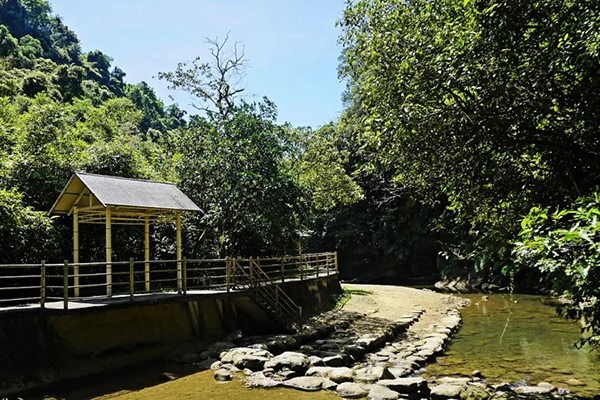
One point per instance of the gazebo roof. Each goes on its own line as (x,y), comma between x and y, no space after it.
(92,193)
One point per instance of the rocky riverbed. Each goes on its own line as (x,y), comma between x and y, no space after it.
(374,347)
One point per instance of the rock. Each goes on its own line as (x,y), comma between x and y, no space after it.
(322,372)
(287,374)
(250,361)
(405,385)
(574,382)
(378,392)
(475,391)
(168,376)
(529,390)
(547,385)
(297,362)
(268,372)
(206,364)
(223,375)
(341,374)
(477,374)
(445,391)
(334,361)
(316,361)
(354,351)
(216,365)
(328,384)
(229,355)
(350,390)
(307,383)
(400,371)
(378,372)
(454,380)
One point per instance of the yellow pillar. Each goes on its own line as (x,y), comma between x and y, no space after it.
(179,275)
(76,250)
(108,253)
(147,252)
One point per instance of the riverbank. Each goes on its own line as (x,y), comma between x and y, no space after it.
(369,348)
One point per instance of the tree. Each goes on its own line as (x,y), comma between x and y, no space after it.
(564,244)
(217,83)
(232,164)
(484,107)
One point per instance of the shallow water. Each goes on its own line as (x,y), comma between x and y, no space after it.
(523,342)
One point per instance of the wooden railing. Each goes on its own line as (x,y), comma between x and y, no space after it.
(26,284)
(267,291)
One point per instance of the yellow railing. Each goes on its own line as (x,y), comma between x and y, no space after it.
(22,284)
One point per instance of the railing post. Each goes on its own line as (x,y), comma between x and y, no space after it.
(301,267)
(282,270)
(66,285)
(317,263)
(251,273)
(336,262)
(131,281)
(327,262)
(228,274)
(43,285)
(184,276)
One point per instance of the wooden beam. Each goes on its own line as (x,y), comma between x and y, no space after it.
(147,252)
(76,251)
(108,253)
(179,274)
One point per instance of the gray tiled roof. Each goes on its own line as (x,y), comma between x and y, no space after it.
(117,191)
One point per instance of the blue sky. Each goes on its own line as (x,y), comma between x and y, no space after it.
(291,45)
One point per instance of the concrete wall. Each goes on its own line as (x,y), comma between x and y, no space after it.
(38,348)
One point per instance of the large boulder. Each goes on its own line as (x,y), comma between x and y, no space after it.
(349,390)
(446,391)
(250,361)
(378,392)
(296,362)
(223,375)
(322,372)
(405,385)
(341,374)
(307,383)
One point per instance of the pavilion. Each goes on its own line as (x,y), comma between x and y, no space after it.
(108,200)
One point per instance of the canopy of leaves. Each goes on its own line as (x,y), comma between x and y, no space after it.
(485,106)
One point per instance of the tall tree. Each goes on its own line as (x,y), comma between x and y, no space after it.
(485,106)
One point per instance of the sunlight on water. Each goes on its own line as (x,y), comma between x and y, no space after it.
(519,342)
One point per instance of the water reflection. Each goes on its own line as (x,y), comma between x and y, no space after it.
(519,339)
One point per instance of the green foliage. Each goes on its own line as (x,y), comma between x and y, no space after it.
(27,235)
(321,168)
(234,171)
(485,108)
(564,244)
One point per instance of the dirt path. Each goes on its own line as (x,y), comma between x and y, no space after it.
(393,302)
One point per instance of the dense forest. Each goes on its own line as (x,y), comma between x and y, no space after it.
(468,147)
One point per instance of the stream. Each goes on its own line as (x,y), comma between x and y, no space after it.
(520,341)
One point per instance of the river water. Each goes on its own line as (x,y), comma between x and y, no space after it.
(519,340)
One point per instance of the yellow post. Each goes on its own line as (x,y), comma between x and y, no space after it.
(184,276)
(43,285)
(108,253)
(228,273)
(336,262)
(327,262)
(131,281)
(282,270)
(147,252)
(76,251)
(179,279)
(66,285)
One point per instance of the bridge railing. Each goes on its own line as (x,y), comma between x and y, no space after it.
(31,284)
